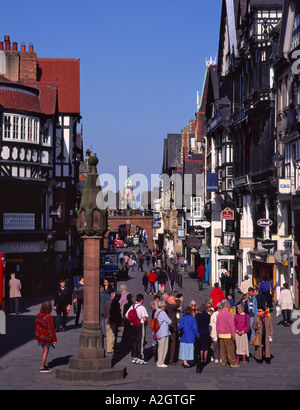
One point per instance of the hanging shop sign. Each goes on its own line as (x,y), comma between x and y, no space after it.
(227,214)
(264,223)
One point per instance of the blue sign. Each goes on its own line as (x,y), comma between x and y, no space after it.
(156,225)
(156,216)
(212,182)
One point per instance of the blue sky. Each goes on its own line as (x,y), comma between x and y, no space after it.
(142,63)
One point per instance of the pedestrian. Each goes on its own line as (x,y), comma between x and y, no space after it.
(245,284)
(181,261)
(217,294)
(109,331)
(162,335)
(121,258)
(266,289)
(145,281)
(222,273)
(148,258)
(216,357)
(45,333)
(153,259)
(162,280)
(127,332)
(285,302)
(115,319)
(171,275)
(141,263)
(77,297)
(123,300)
(152,278)
(62,304)
(242,326)
(201,272)
(264,329)
(188,331)
(231,300)
(243,301)
(252,309)
(228,282)
(226,335)
(260,298)
(193,306)
(172,306)
(203,321)
(14,294)
(139,331)
(105,292)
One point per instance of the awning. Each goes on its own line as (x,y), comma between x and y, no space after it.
(193,242)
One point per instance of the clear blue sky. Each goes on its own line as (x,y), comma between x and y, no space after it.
(142,63)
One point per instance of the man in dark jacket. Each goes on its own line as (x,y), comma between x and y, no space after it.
(77,297)
(62,304)
(172,307)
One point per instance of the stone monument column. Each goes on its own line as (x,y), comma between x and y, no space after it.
(91,363)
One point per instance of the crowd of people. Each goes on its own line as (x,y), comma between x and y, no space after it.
(219,330)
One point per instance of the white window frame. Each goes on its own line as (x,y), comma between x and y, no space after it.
(17,128)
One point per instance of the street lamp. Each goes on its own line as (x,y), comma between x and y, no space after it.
(277,160)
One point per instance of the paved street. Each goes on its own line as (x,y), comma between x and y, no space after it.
(20,357)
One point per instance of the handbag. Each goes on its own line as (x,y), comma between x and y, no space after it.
(255,340)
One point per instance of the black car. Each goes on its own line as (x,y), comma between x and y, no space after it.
(109,271)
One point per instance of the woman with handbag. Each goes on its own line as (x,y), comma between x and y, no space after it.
(163,333)
(264,333)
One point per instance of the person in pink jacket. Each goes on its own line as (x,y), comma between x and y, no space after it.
(226,335)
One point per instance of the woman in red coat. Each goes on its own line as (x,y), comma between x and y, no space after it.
(45,333)
(217,295)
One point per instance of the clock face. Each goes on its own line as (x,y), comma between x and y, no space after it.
(128,191)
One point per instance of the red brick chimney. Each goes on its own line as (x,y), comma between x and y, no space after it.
(28,64)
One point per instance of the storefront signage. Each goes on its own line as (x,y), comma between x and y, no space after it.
(247,243)
(284,186)
(199,233)
(268,244)
(156,225)
(264,223)
(205,224)
(227,214)
(180,233)
(240,181)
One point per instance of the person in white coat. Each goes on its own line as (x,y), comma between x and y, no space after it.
(285,302)
(213,334)
(163,333)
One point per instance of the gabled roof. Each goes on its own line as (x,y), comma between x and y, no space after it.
(65,72)
(229,18)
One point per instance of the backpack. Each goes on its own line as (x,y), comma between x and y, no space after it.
(133,317)
(154,324)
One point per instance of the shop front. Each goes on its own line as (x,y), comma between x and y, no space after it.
(264,266)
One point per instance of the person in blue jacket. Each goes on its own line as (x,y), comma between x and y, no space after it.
(188,331)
